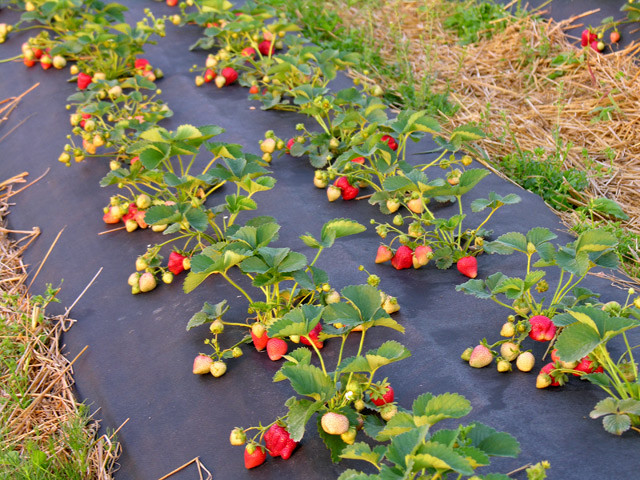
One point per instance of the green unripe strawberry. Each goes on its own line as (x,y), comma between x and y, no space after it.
(237,437)
(388,411)
(216,326)
(349,437)
(167,277)
(218,368)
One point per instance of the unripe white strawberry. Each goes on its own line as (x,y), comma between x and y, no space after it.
(202,365)
(141,264)
(508,330)
(393,205)
(509,351)
(415,205)
(268,145)
(525,362)
(503,366)
(333,193)
(133,279)
(143,201)
(390,305)
(218,368)
(388,411)
(220,81)
(147,282)
(59,62)
(131,225)
(481,356)
(320,182)
(334,423)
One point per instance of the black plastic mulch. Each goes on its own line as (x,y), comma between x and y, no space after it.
(138,364)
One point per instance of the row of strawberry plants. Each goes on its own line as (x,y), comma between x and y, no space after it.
(356,145)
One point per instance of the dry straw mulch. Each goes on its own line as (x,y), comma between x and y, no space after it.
(507,78)
(36,338)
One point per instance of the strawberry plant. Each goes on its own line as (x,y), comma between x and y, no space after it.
(594,248)
(444,240)
(583,350)
(166,194)
(347,399)
(284,279)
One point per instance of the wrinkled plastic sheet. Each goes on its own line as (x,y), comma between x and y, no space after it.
(138,364)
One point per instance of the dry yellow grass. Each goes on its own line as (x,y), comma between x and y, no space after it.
(510,77)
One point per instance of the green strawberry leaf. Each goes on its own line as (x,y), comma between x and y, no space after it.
(193,280)
(338,228)
(299,321)
(420,404)
(492,442)
(475,287)
(616,424)
(300,411)
(363,451)
(540,235)
(355,475)
(508,243)
(208,314)
(441,458)
(595,241)
(154,155)
(373,425)
(405,445)
(310,381)
(576,340)
(446,405)
(479,458)
(400,423)
(162,214)
(197,219)
(398,183)
(389,352)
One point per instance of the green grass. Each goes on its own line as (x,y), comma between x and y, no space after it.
(64,454)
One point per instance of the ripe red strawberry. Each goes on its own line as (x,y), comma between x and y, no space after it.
(290,144)
(342,182)
(481,356)
(28,62)
(229,74)
(278,441)
(421,256)
(209,75)
(614,36)
(350,192)
(359,160)
(468,266)
(403,258)
(37,52)
(141,64)
(248,52)
(585,37)
(276,349)
(265,47)
(586,366)
(384,254)
(389,140)
(254,455)
(313,335)
(176,262)
(380,400)
(172,3)
(542,328)
(83,80)
(253,90)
